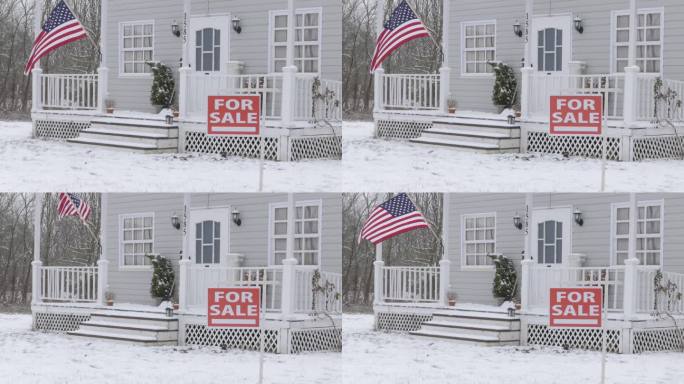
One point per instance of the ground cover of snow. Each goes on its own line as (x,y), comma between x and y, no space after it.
(368,164)
(30,357)
(372,357)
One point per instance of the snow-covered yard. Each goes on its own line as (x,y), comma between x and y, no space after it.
(28,357)
(379,357)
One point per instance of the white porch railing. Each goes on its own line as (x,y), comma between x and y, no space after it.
(411,284)
(649,300)
(68,284)
(74,92)
(326,106)
(410,91)
(646,104)
(310,300)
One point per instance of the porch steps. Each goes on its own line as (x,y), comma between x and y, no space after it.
(128,134)
(471,327)
(473,135)
(130,327)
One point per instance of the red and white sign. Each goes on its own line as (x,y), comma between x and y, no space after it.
(576,307)
(576,115)
(234,307)
(234,115)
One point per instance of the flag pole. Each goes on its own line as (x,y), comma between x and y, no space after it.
(434,233)
(441,49)
(96,45)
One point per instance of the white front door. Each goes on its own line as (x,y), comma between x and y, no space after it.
(552,43)
(552,235)
(208,236)
(208,39)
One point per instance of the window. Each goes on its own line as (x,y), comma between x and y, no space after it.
(307,233)
(550,242)
(208,50)
(136,44)
(208,242)
(649,238)
(136,233)
(479,240)
(307,44)
(479,47)
(550,50)
(649,40)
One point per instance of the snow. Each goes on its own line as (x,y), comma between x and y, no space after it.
(372,357)
(368,164)
(30,357)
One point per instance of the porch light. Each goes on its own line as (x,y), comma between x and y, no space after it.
(169,311)
(169,119)
(578,217)
(236,24)
(511,119)
(175,29)
(517,221)
(579,24)
(236,217)
(511,311)
(175,221)
(517,28)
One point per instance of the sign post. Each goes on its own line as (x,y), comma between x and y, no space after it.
(580,308)
(238,307)
(580,115)
(237,115)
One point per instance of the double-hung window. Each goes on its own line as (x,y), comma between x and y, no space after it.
(307,44)
(307,233)
(649,233)
(478,239)
(136,42)
(478,42)
(649,46)
(136,234)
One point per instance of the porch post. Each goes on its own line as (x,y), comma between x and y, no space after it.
(630,290)
(290,262)
(633,212)
(378,73)
(445,70)
(444,263)
(36,286)
(527,71)
(444,274)
(103,263)
(184,263)
(184,71)
(289,95)
(377,276)
(631,71)
(36,72)
(526,284)
(103,71)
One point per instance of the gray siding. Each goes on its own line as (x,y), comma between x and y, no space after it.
(250,47)
(592,47)
(249,239)
(592,239)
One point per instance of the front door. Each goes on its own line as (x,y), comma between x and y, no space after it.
(208,39)
(551,235)
(208,236)
(552,43)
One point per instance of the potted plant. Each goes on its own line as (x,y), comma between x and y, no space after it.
(452,104)
(109,297)
(109,105)
(451,296)
(163,86)
(163,278)
(505,90)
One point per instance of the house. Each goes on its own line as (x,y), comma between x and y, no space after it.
(213,48)
(554,48)
(212,240)
(553,240)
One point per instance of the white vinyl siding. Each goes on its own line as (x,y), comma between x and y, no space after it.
(649,238)
(136,240)
(478,239)
(307,46)
(307,233)
(650,33)
(136,47)
(478,42)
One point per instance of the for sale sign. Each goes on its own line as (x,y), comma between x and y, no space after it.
(234,307)
(234,115)
(576,115)
(576,307)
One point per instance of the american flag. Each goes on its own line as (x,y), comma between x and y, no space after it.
(60,28)
(402,27)
(72,205)
(391,218)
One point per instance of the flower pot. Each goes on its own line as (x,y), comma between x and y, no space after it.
(518,114)
(176,114)
(176,306)
(452,302)
(518,306)
(110,110)
(110,303)
(452,110)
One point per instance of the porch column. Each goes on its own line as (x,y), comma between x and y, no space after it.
(378,73)
(36,286)
(631,71)
(290,70)
(290,262)
(103,263)
(445,70)
(633,212)
(36,71)
(103,71)
(184,71)
(377,276)
(527,71)
(630,289)
(526,283)
(444,263)
(184,263)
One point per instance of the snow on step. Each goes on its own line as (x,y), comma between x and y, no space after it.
(125,145)
(486,328)
(147,340)
(134,327)
(113,131)
(468,146)
(465,338)
(464,132)
(497,123)
(132,122)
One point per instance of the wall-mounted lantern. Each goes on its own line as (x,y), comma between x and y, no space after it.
(579,24)
(175,29)
(517,28)
(236,217)
(175,221)
(517,221)
(236,24)
(578,217)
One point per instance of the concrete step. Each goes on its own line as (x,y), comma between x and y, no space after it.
(158,140)
(143,340)
(165,132)
(500,333)
(465,338)
(493,126)
(139,318)
(466,146)
(130,329)
(482,319)
(130,125)
(477,132)
(498,139)
(124,145)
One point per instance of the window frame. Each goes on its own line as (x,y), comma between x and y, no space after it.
(464,258)
(613,228)
(272,237)
(464,25)
(613,36)
(271,44)
(120,38)
(121,245)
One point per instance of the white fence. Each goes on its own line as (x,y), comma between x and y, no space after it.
(411,92)
(647,109)
(652,298)
(69,284)
(324,296)
(411,284)
(77,92)
(317,99)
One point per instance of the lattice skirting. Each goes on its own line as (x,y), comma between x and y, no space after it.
(585,146)
(56,129)
(58,322)
(399,129)
(404,322)
(586,338)
(657,147)
(239,338)
(317,339)
(315,147)
(659,339)
(244,146)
